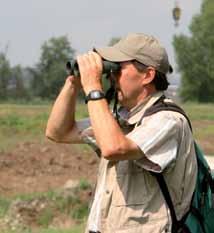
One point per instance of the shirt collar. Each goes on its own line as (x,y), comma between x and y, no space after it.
(135,114)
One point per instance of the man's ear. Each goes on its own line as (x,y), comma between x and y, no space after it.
(149,75)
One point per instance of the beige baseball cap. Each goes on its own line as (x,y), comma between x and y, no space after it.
(138,46)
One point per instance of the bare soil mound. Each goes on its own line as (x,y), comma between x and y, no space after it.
(35,167)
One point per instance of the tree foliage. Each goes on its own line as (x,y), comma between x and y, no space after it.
(17,89)
(49,74)
(195,56)
(5,74)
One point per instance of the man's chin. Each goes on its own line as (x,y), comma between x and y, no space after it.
(120,99)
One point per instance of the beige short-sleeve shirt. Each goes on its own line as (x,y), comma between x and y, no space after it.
(128,198)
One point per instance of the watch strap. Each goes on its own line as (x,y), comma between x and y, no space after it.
(94,95)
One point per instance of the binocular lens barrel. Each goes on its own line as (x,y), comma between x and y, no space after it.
(108,67)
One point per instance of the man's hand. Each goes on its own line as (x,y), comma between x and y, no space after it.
(73,82)
(90,67)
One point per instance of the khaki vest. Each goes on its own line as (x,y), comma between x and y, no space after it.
(131,200)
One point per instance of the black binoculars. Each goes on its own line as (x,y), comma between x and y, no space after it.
(108,67)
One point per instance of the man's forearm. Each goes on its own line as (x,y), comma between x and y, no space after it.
(107,131)
(61,119)
(114,145)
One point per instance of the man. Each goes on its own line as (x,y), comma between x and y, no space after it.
(128,198)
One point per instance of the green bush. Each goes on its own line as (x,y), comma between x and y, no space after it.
(80,212)
(84,184)
(46,217)
(4,205)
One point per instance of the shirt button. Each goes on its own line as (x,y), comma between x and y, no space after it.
(107,192)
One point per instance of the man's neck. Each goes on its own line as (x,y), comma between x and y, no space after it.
(143,97)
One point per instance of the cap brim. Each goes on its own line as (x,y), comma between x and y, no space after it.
(113,54)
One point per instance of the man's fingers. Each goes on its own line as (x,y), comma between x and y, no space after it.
(89,60)
(83,60)
(96,58)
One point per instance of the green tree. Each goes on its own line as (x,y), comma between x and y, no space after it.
(49,74)
(195,56)
(5,74)
(17,89)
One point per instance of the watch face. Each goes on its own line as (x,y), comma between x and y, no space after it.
(96,94)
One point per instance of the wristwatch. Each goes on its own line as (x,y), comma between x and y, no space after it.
(94,95)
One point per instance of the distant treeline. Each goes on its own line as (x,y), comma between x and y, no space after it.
(43,81)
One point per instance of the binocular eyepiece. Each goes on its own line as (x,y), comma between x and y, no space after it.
(108,67)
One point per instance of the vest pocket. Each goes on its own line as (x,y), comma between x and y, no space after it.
(130,219)
(133,185)
(126,216)
(131,196)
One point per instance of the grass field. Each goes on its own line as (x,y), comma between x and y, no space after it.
(76,229)
(202,118)
(19,123)
(24,123)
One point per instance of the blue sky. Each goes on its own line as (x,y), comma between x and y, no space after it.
(26,24)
